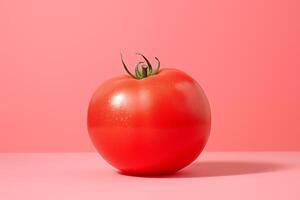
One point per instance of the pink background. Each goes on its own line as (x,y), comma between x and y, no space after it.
(54,53)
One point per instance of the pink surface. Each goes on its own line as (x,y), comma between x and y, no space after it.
(245,54)
(73,176)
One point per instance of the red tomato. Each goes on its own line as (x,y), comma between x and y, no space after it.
(154,125)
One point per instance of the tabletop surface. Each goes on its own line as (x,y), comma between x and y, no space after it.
(226,175)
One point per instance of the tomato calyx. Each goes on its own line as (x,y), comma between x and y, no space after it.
(143,69)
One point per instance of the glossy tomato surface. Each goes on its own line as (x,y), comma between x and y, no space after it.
(153,126)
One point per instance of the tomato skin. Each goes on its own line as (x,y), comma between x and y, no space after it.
(156,125)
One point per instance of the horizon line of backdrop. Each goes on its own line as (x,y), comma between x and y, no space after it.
(245,55)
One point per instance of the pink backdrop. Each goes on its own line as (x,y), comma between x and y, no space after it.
(54,53)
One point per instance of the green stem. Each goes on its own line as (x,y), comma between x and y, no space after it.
(137,71)
(144,71)
(147,61)
(146,68)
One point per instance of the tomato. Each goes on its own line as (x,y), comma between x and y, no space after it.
(154,123)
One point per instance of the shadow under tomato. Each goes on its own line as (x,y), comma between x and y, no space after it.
(223,168)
